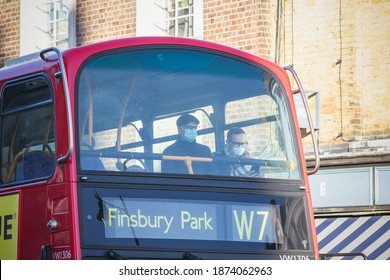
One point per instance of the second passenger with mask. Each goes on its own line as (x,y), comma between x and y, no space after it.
(235,148)
(186,145)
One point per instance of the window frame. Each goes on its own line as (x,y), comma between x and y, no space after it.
(37,38)
(152,18)
(25,109)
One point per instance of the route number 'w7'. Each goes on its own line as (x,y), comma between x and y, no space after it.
(246,221)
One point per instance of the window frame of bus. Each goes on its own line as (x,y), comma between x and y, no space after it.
(46,103)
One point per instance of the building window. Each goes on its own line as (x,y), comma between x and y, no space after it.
(57,12)
(179,18)
(46,23)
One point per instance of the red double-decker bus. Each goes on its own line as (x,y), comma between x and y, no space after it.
(124,149)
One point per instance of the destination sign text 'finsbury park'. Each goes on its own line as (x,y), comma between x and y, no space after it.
(205,220)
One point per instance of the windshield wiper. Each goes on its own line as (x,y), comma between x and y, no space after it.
(190,256)
(131,227)
(111,254)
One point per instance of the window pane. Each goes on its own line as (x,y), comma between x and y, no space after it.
(30,93)
(58,19)
(179,18)
(130,102)
(28,143)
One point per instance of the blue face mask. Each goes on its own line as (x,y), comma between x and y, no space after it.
(238,151)
(190,135)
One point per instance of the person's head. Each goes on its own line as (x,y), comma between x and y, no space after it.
(187,126)
(236,141)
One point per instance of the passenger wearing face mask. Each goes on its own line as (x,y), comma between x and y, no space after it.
(235,147)
(186,145)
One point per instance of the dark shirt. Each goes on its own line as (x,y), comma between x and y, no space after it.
(222,168)
(183,148)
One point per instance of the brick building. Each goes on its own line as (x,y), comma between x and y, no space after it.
(339,48)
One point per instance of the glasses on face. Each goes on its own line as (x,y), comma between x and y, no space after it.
(238,144)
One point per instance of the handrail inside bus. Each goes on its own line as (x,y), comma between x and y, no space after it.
(310,121)
(186,112)
(43,55)
(202,131)
(187,159)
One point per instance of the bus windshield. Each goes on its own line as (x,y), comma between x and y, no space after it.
(129,104)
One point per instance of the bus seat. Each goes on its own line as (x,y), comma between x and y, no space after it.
(135,168)
(91,163)
(35,164)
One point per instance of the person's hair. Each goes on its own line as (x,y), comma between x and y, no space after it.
(185,119)
(235,131)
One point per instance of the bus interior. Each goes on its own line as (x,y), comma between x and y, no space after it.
(129,102)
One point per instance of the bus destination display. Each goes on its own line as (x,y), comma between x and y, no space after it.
(197,220)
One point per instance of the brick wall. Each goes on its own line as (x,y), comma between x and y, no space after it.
(242,24)
(9,30)
(342,51)
(100,20)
